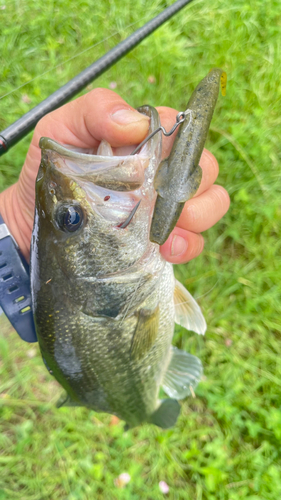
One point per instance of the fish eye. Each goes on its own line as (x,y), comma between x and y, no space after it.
(70,217)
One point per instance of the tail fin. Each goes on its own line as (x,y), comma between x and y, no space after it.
(167,414)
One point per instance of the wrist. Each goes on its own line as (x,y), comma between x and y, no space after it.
(15,296)
(12,214)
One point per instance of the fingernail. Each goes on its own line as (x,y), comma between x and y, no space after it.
(127,116)
(179,246)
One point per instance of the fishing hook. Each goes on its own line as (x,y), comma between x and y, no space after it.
(180,118)
(128,220)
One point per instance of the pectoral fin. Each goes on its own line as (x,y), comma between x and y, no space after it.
(183,374)
(167,414)
(188,313)
(145,332)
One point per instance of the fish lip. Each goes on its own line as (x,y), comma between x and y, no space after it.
(49,144)
(45,143)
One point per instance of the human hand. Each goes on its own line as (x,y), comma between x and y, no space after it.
(102,114)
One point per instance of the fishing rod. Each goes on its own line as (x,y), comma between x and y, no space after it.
(21,127)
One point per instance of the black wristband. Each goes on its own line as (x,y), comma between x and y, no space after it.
(15,296)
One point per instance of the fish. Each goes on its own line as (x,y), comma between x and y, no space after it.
(104,300)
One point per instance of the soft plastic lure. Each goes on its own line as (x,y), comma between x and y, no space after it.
(178,177)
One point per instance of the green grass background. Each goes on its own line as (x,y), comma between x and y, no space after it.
(227,443)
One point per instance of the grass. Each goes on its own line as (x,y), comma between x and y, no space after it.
(227,442)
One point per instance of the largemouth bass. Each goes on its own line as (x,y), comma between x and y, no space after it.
(104,300)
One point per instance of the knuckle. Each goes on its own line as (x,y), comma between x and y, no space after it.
(41,124)
(101,97)
(96,93)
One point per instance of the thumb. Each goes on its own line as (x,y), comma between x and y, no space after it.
(100,114)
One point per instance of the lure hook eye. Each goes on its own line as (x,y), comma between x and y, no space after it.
(180,118)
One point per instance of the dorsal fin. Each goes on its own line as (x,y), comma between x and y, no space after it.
(188,313)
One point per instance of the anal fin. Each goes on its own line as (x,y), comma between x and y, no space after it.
(167,414)
(188,312)
(183,374)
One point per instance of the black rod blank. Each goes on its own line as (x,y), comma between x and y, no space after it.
(12,134)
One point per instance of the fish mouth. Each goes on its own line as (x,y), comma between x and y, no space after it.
(113,185)
(104,169)
(118,173)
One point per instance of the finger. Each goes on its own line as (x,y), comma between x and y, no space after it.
(203,211)
(208,162)
(100,114)
(182,246)
(167,119)
(210,171)
(84,122)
